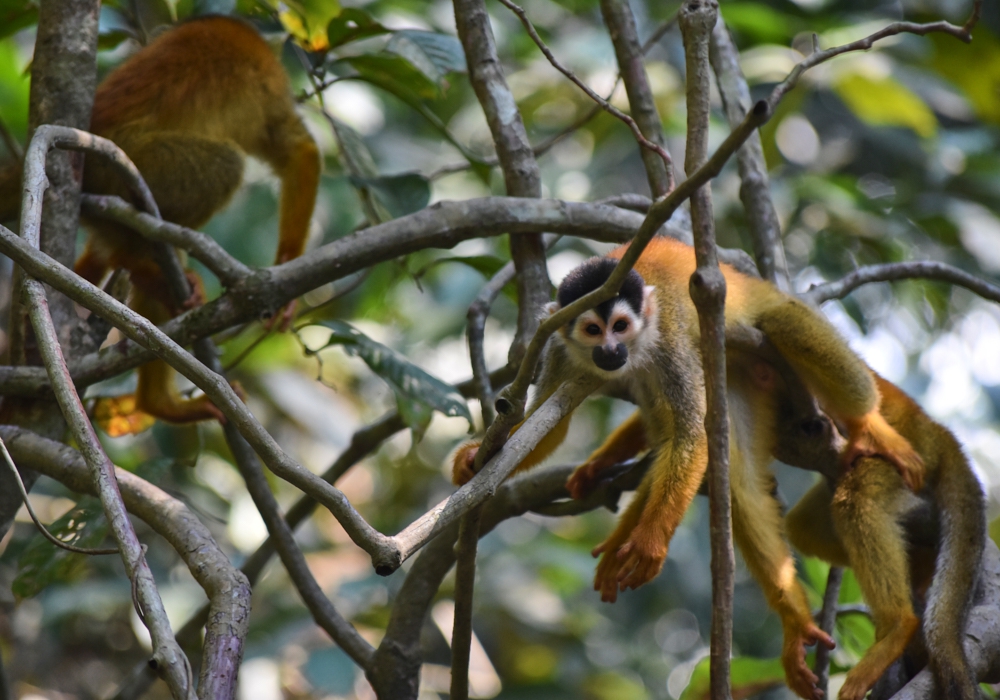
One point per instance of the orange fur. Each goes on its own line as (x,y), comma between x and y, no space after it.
(187,109)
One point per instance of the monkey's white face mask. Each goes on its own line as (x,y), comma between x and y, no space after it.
(613,339)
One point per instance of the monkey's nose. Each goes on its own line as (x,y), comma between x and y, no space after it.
(610,358)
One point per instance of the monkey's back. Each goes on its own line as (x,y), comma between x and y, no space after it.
(215,77)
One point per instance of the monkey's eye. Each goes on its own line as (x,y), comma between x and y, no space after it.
(621,325)
(592,329)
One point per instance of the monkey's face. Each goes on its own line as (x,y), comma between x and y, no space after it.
(615,336)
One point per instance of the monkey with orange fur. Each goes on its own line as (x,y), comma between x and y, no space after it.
(187,109)
(648,338)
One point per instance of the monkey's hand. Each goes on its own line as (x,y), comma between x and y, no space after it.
(629,559)
(798,675)
(871,436)
(463,462)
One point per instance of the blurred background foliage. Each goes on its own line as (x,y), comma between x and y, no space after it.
(881,156)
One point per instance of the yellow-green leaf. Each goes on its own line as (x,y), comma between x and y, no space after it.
(886,102)
(307,20)
(981,86)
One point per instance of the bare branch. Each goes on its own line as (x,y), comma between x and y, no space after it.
(621,25)
(891,272)
(442,225)
(520,170)
(465,579)
(9,461)
(963,33)
(485,483)
(203,248)
(708,292)
(603,103)
(755,190)
(827,620)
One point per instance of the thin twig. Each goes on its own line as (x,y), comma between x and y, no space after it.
(891,272)
(35,519)
(13,147)
(827,620)
(621,26)
(465,579)
(708,292)
(604,104)
(755,188)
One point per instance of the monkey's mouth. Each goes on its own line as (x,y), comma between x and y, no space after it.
(610,358)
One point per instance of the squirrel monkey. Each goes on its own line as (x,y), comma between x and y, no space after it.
(865,520)
(187,109)
(648,338)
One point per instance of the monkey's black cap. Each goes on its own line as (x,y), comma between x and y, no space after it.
(590,275)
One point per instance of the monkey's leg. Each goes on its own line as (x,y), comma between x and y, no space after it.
(627,440)
(810,529)
(842,382)
(757,528)
(866,507)
(156,393)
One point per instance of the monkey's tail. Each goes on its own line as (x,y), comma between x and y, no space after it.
(963,535)
(10,191)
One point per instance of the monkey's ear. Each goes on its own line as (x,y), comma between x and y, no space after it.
(551,308)
(648,300)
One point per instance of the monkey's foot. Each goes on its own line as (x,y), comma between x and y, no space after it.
(631,563)
(463,462)
(880,656)
(872,436)
(798,675)
(198,296)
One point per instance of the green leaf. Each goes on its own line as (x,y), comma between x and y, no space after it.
(43,564)
(886,102)
(307,20)
(358,159)
(400,194)
(764,24)
(15,15)
(975,69)
(395,75)
(417,392)
(434,55)
(749,676)
(350,25)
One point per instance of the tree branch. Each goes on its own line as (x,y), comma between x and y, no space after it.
(708,291)
(891,272)
(520,170)
(621,25)
(755,188)
(227,589)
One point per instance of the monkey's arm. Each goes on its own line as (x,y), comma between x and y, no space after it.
(635,551)
(627,440)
